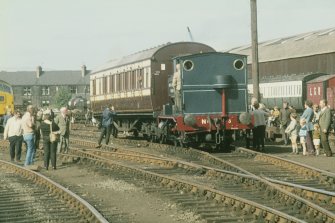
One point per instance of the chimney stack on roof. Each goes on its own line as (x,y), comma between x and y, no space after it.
(83,70)
(38,71)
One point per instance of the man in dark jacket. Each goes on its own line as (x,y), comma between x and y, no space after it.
(63,122)
(324,122)
(106,124)
(284,121)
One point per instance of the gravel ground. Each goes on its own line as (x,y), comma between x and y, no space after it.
(125,202)
(131,204)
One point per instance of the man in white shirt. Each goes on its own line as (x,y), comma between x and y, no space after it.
(13,132)
(259,127)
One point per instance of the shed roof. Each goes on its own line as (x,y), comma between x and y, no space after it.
(138,56)
(301,45)
(322,78)
(27,78)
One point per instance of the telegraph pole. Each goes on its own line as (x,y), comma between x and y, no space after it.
(254,49)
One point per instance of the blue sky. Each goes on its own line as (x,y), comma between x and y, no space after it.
(64,34)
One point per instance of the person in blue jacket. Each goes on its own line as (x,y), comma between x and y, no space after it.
(106,124)
(308,116)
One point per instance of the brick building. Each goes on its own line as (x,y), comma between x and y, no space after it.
(39,87)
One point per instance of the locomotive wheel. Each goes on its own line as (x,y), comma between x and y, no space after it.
(163,139)
(153,138)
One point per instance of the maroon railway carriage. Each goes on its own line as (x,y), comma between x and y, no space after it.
(322,88)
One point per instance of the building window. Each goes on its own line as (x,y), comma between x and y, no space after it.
(26,102)
(45,90)
(27,91)
(45,103)
(87,89)
(73,89)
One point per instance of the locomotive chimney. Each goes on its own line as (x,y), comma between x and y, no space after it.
(38,71)
(83,70)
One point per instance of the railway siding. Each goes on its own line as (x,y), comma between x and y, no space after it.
(250,182)
(308,171)
(238,204)
(83,209)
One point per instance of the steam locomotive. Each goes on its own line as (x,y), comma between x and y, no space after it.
(213,93)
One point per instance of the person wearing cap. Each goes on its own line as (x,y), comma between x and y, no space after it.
(13,132)
(106,124)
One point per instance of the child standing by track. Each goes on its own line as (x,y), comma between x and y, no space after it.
(292,132)
(303,135)
(316,138)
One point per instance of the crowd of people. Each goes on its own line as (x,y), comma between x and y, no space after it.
(36,124)
(311,129)
(30,127)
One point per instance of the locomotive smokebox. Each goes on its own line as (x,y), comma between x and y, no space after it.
(223,81)
(190,120)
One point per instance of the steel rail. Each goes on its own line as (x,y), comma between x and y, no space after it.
(238,203)
(242,178)
(72,200)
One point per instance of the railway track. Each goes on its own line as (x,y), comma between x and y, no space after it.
(273,167)
(242,161)
(197,158)
(210,181)
(316,185)
(27,196)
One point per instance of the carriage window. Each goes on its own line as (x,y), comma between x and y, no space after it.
(104,85)
(133,79)
(94,87)
(118,83)
(111,83)
(238,64)
(188,65)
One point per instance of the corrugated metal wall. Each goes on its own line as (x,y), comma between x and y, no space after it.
(322,63)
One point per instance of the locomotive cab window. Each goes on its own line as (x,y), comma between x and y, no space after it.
(2,99)
(188,65)
(238,64)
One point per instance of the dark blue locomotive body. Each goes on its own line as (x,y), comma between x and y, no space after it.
(213,94)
